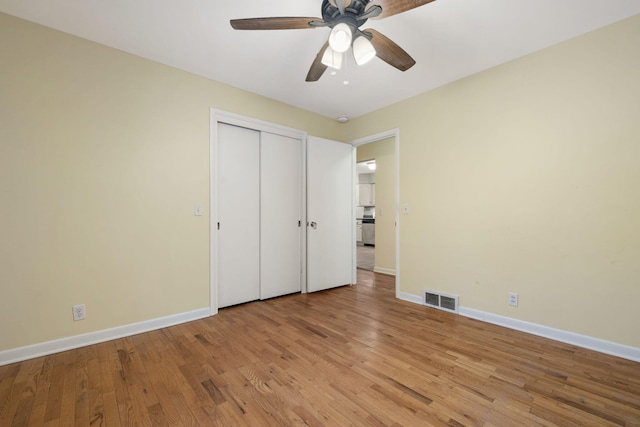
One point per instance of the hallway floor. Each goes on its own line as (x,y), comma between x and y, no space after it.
(365,257)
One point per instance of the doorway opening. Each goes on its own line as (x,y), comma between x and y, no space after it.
(365,213)
(377,202)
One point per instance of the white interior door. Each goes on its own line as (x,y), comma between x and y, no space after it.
(331,222)
(280,215)
(238,213)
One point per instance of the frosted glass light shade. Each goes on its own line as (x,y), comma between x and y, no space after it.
(340,37)
(363,50)
(331,58)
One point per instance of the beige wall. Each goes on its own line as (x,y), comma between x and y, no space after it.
(384,153)
(102,158)
(526,178)
(522,178)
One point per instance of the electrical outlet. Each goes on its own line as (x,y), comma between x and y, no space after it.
(513,299)
(79,312)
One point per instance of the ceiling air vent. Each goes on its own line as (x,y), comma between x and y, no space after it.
(441,301)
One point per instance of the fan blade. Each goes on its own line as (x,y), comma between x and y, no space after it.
(394,7)
(280,23)
(317,68)
(390,52)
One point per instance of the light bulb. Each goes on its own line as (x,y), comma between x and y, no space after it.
(363,50)
(340,37)
(331,58)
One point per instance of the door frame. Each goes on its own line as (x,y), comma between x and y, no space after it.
(220,116)
(391,133)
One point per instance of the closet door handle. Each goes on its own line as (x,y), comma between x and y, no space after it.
(313,225)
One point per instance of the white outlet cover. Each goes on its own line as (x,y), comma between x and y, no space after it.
(79,312)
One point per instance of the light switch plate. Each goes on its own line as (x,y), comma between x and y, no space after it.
(197,211)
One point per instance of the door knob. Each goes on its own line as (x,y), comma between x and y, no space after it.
(313,225)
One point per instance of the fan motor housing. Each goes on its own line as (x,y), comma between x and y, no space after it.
(332,16)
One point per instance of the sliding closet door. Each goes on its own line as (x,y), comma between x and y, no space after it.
(238,207)
(280,215)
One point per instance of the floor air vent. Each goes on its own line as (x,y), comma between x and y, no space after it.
(441,301)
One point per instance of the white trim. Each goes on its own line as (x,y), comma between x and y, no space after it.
(376,137)
(354,246)
(213,213)
(303,217)
(256,124)
(391,133)
(607,347)
(383,270)
(410,298)
(69,343)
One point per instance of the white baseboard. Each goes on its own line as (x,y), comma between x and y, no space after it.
(409,297)
(389,271)
(42,349)
(607,347)
(77,341)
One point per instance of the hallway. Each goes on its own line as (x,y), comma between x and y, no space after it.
(365,257)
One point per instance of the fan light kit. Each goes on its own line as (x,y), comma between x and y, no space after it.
(345,17)
(332,59)
(363,50)
(340,37)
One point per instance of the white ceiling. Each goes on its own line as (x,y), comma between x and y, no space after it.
(449,39)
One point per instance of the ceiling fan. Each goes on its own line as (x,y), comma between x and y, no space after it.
(345,17)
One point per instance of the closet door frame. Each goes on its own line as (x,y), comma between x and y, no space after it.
(219,116)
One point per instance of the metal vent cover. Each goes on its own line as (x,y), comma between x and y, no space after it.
(431,299)
(441,301)
(448,303)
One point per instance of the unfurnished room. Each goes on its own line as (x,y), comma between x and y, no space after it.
(320,212)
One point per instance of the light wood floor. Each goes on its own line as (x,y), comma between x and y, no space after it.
(349,356)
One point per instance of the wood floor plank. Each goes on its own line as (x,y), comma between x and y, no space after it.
(81,404)
(354,355)
(68,395)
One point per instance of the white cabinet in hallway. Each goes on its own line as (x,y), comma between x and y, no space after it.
(259,212)
(366,194)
